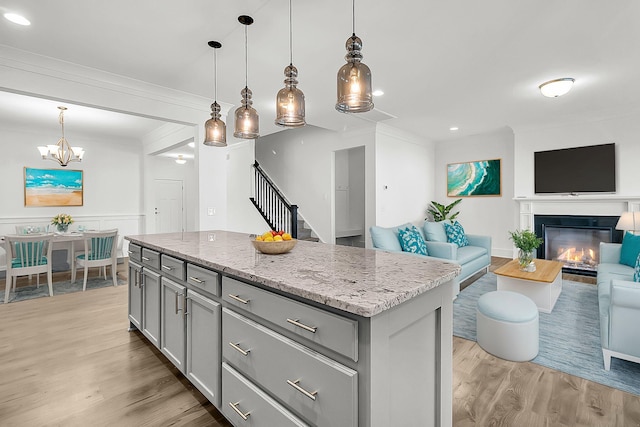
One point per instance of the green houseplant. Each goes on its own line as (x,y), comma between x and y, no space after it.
(527,242)
(440,212)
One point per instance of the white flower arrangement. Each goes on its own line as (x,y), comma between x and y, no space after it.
(62,219)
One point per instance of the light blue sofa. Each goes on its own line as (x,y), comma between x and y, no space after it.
(619,306)
(472,258)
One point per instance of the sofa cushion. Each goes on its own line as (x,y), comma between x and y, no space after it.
(411,241)
(455,234)
(387,238)
(630,249)
(434,231)
(469,253)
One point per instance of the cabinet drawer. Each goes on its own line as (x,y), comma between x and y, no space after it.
(172,267)
(320,390)
(251,403)
(204,279)
(135,252)
(327,329)
(150,258)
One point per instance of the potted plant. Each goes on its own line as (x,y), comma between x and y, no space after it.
(440,212)
(527,242)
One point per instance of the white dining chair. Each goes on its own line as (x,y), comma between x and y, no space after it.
(100,250)
(26,255)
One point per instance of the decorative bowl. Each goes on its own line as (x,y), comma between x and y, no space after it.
(274,248)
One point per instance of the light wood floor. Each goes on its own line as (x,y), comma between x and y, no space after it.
(69,361)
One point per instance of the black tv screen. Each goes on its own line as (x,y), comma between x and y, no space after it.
(590,169)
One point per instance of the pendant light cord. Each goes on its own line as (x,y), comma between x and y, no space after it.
(290,36)
(246,59)
(61,120)
(353,16)
(215,75)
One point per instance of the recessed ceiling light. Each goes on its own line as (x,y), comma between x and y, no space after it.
(180,160)
(453,128)
(557,87)
(378,92)
(17,19)
(191,144)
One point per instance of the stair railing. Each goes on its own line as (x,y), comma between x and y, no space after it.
(271,203)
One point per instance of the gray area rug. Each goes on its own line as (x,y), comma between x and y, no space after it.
(569,336)
(32,291)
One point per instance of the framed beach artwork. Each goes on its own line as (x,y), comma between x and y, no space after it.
(481,178)
(53,187)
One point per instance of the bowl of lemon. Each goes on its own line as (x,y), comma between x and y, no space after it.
(274,242)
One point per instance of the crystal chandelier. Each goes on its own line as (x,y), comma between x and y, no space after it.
(62,152)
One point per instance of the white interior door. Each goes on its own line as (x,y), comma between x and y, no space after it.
(168,208)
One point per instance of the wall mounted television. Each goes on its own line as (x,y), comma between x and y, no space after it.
(589,169)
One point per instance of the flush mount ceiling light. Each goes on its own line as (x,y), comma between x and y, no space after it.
(17,19)
(215,130)
(62,152)
(247,124)
(557,87)
(290,99)
(180,160)
(354,77)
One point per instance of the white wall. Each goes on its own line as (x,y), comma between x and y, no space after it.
(623,131)
(492,216)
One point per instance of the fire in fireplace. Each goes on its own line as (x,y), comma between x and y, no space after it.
(575,239)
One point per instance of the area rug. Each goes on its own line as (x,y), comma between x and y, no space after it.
(32,291)
(569,336)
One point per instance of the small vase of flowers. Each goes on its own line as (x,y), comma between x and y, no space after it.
(62,222)
(527,242)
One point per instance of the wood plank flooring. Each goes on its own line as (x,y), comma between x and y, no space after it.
(68,360)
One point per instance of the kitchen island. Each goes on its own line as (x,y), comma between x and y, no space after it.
(322,335)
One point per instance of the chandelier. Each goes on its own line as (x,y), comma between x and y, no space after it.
(62,152)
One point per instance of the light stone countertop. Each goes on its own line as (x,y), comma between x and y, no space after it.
(356,280)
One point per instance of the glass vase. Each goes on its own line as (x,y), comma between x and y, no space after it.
(525,259)
(62,228)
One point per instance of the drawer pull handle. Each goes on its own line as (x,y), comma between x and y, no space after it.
(144,258)
(166,267)
(237,347)
(195,279)
(234,406)
(129,252)
(302,325)
(237,298)
(295,385)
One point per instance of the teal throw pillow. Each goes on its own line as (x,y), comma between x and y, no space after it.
(411,241)
(455,234)
(636,274)
(630,249)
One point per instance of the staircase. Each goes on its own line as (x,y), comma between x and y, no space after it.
(275,209)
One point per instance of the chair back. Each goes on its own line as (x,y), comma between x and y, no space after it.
(100,245)
(28,250)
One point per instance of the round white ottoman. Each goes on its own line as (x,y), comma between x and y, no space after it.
(507,325)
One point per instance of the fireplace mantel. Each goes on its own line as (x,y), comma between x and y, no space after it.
(609,204)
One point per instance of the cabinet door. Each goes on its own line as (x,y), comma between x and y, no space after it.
(135,296)
(203,345)
(151,306)
(172,329)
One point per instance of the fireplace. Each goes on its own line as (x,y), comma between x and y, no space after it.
(575,240)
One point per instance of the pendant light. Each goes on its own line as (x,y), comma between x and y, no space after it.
(215,130)
(247,124)
(354,78)
(290,99)
(62,152)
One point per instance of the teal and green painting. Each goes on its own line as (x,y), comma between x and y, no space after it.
(480,178)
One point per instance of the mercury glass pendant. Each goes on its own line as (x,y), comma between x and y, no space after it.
(247,124)
(290,99)
(354,78)
(215,130)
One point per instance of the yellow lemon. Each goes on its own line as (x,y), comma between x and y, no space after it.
(266,234)
(277,238)
(268,239)
(259,238)
(286,236)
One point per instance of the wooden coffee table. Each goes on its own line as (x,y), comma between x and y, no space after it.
(543,286)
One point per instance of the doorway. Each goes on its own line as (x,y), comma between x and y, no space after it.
(349,206)
(168,207)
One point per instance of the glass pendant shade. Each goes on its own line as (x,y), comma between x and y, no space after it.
(355,94)
(247,120)
(290,101)
(215,130)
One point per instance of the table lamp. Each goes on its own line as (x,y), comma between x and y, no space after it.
(629,221)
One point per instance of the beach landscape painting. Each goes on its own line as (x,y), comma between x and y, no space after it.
(481,178)
(52,187)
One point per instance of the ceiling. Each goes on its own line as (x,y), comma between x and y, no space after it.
(473,65)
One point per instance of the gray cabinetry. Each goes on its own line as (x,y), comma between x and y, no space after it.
(151,306)
(135,296)
(203,345)
(173,322)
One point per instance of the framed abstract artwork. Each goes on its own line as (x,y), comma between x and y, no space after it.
(480,178)
(53,187)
